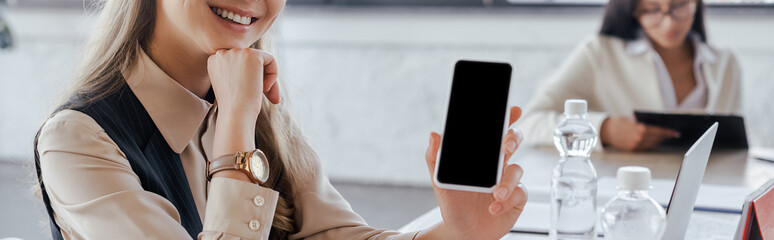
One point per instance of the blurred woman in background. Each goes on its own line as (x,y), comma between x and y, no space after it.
(649,55)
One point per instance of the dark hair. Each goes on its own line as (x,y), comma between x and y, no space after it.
(620,22)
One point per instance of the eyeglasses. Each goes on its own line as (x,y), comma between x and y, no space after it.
(679,12)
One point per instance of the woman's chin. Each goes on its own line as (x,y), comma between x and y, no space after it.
(231,45)
(670,43)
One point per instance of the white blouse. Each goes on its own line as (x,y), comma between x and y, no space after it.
(697,98)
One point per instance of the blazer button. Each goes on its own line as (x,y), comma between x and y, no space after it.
(258,201)
(254,225)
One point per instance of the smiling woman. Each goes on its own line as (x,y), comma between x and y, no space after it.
(176,129)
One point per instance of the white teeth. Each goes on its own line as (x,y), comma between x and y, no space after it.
(225,14)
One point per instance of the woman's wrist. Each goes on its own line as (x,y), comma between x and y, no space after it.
(233,174)
(238,113)
(234,132)
(436,231)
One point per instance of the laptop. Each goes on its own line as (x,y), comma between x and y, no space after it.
(534,218)
(687,185)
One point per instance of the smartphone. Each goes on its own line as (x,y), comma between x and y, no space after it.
(470,158)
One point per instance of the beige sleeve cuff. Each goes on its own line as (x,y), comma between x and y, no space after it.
(405,236)
(238,210)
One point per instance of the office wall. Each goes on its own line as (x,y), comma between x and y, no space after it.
(368,85)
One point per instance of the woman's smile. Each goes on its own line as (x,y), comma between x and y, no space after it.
(234,18)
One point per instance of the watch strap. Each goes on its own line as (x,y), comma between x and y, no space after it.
(227,162)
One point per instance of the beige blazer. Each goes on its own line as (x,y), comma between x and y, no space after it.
(95,194)
(616,82)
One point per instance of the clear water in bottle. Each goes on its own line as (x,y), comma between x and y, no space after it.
(574,180)
(633,214)
(575,137)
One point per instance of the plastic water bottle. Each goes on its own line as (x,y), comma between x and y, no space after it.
(574,181)
(632,214)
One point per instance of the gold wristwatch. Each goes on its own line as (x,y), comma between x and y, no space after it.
(253,163)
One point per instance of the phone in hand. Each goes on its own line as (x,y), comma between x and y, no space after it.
(470,157)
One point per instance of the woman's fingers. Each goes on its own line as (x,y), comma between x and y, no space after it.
(511,143)
(432,151)
(652,136)
(508,195)
(242,77)
(518,198)
(506,188)
(516,201)
(515,115)
(514,136)
(270,71)
(273,94)
(660,133)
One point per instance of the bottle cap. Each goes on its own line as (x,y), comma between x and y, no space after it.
(575,107)
(633,178)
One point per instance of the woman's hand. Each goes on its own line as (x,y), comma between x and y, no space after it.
(240,78)
(471,215)
(626,134)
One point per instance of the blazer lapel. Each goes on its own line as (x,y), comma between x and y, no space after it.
(648,87)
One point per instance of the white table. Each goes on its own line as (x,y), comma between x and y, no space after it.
(729,172)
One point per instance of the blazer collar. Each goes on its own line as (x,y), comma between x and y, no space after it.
(176,111)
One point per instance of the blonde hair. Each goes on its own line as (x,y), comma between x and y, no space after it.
(124,29)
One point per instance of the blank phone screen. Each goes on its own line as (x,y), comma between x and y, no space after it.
(474,124)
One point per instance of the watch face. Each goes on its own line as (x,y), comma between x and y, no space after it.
(259,166)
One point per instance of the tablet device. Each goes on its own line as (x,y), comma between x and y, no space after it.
(731,133)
